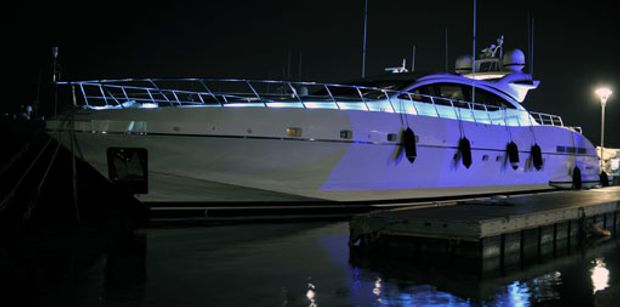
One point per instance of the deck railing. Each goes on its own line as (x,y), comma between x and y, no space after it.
(153,93)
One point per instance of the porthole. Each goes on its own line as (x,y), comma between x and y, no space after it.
(485,157)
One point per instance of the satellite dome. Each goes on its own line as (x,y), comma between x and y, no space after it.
(463,64)
(514,60)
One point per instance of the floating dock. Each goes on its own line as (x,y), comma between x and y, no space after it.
(499,231)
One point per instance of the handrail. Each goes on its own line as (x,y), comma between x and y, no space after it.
(123,93)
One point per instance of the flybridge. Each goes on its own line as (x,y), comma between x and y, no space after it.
(229,93)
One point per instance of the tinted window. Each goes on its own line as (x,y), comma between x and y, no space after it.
(451,91)
(421,93)
(459,94)
(487,98)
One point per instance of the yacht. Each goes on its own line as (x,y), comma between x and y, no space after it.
(399,137)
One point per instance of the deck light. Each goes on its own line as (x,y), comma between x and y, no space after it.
(603,93)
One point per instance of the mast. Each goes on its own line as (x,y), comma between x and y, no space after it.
(413,58)
(364,42)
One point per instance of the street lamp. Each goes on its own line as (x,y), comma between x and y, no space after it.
(603,93)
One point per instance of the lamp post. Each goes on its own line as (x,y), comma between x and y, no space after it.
(603,93)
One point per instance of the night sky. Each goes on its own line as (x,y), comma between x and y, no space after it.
(577,44)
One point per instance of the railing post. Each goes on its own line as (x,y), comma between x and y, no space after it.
(471,110)
(359,92)
(435,106)
(73,94)
(331,96)
(389,100)
(294,91)
(174,93)
(209,91)
(84,94)
(105,99)
(253,90)
(454,109)
(415,108)
(529,118)
(486,110)
(148,90)
(160,91)
(125,93)
(542,122)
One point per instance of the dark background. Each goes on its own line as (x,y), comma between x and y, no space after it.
(577,44)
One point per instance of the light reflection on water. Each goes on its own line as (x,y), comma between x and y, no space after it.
(311,294)
(600,275)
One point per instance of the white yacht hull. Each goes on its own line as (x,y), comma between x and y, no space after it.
(211,155)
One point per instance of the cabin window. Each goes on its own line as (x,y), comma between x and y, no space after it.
(451,91)
(392,137)
(293,132)
(346,134)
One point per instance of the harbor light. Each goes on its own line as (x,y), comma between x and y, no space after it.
(603,94)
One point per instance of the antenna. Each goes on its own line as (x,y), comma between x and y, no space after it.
(446,47)
(288,66)
(413,58)
(532,51)
(473,60)
(55,76)
(364,43)
(300,62)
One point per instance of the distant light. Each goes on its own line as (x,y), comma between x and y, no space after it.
(603,93)
(600,276)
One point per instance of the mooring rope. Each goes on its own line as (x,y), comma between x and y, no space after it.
(11,194)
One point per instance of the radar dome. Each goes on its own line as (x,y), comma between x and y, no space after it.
(463,64)
(514,60)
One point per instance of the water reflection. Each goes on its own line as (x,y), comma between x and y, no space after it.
(599,275)
(419,295)
(539,289)
(518,294)
(377,289)
(544,288)
(311,294)
(200,266)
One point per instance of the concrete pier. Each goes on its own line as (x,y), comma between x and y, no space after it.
(498,232)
